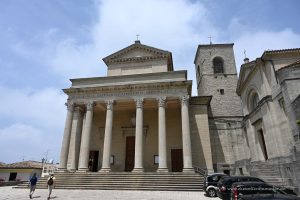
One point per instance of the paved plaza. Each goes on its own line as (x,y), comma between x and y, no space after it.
(19,194)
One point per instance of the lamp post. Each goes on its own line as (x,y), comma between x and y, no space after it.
(43,160)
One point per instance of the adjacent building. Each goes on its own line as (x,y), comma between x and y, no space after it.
(269,88)
(20,171)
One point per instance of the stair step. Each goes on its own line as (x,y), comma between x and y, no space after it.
(125,181)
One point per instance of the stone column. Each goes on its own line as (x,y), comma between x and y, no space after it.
(76,137)
(162,139)
(139,134)
(66,139)
(86,138)
(186,137)
(107,137)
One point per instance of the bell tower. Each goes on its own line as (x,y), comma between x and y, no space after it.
(216,76)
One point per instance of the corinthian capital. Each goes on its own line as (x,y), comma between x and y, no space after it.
(109,104)
(139,102)
(78,112)
(161,101)
(90,105)
(184,100)
(70,105)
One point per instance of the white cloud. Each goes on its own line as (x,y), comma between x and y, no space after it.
(255,43)
(43,108)
(22,141)
(35,123)
(176,26)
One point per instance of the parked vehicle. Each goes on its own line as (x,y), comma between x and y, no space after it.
(269,197)
(239,189)
(225,183)
(210,185)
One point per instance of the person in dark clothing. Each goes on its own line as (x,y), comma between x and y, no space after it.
(32,183)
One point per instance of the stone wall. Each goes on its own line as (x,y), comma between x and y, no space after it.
(200,137)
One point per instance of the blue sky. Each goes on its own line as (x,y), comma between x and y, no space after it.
(45,43)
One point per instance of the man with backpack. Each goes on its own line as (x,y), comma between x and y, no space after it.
(50,184)
(32,183)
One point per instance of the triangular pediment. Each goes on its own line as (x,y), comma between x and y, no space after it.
(246,72)
(137,51)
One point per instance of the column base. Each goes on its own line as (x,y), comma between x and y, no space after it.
(60,170)
(72,170)
(105,170)
(162,170)
(83,170)
(188,170)
(138,170)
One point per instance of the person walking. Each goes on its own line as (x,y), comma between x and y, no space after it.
(32,183)
(50,184)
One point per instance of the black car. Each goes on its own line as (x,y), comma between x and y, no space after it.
(210,185)
(225,183)
(239,189)
(269,197)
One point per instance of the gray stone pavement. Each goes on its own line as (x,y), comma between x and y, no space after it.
(59,194)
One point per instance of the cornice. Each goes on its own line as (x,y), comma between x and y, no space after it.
(200,100)
(136,59)
(149,90)
(160,85)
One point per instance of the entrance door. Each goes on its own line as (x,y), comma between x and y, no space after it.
(177,160)
(262,143)
(12,176)
(130,146)
(93,161)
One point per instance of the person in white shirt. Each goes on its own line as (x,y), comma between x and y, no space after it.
(50,184)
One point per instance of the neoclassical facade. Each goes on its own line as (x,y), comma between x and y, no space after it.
(141,117)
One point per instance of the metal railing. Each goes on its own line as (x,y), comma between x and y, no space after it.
(200,170)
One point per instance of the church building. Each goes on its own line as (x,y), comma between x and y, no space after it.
(141,117)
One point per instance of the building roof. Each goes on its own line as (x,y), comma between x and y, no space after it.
(268,52)
(23,165)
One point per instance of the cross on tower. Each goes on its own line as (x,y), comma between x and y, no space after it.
(210,39)
(245,53)
(137,37)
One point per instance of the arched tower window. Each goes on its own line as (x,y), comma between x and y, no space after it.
(218,65)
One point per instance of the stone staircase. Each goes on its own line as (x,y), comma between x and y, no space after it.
(269,173)
(171,181)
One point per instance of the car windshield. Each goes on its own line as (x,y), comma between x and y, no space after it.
(222,179)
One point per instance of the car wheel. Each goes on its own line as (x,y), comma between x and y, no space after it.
(211,192)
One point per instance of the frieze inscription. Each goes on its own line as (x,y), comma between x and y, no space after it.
(145,93)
